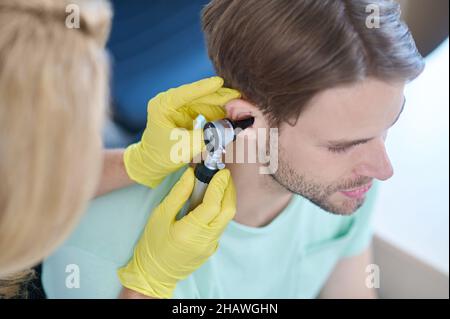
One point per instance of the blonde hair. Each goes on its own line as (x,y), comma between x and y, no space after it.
(53,92)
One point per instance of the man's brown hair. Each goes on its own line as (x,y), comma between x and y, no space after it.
(280,53)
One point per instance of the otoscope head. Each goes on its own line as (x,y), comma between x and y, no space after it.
(220,133)
(242,124)
(217,135)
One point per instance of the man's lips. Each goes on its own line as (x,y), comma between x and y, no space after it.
(359,192)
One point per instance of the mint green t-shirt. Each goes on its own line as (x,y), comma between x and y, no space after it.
(291,257)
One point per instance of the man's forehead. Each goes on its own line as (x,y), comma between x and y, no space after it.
(349,142)
(343,111)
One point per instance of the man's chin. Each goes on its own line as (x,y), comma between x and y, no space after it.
(347,206)
(339,204)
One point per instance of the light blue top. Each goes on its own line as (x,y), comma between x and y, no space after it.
(290,258)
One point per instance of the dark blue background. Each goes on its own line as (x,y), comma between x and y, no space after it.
(155,45)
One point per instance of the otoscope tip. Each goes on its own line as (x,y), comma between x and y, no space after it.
(243,124)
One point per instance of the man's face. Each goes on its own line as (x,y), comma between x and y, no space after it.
(336,149)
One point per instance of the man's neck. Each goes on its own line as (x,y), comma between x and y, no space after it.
(259,198)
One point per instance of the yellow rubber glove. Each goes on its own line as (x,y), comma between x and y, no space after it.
(170,250)
(149,161)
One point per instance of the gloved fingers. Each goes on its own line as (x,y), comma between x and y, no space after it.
(212,201)
(197,142)
(186,115)
(220,97)
(228,209)
(178,195)
(216,189)
(180,96)
(211,112)
(211,105)
(186,144)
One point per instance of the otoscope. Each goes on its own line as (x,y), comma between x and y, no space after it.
(217,135)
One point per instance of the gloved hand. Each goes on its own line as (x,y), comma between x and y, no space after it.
(149,161)
(170,250)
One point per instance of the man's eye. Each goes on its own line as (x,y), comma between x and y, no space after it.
(339,149)
(343,149)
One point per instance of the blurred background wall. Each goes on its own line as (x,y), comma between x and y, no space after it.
(411,217)
(428,22)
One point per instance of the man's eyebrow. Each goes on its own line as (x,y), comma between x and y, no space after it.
(347,143)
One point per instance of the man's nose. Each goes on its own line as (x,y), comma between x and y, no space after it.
(375,162)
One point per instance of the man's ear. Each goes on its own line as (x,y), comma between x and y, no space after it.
(240,109)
